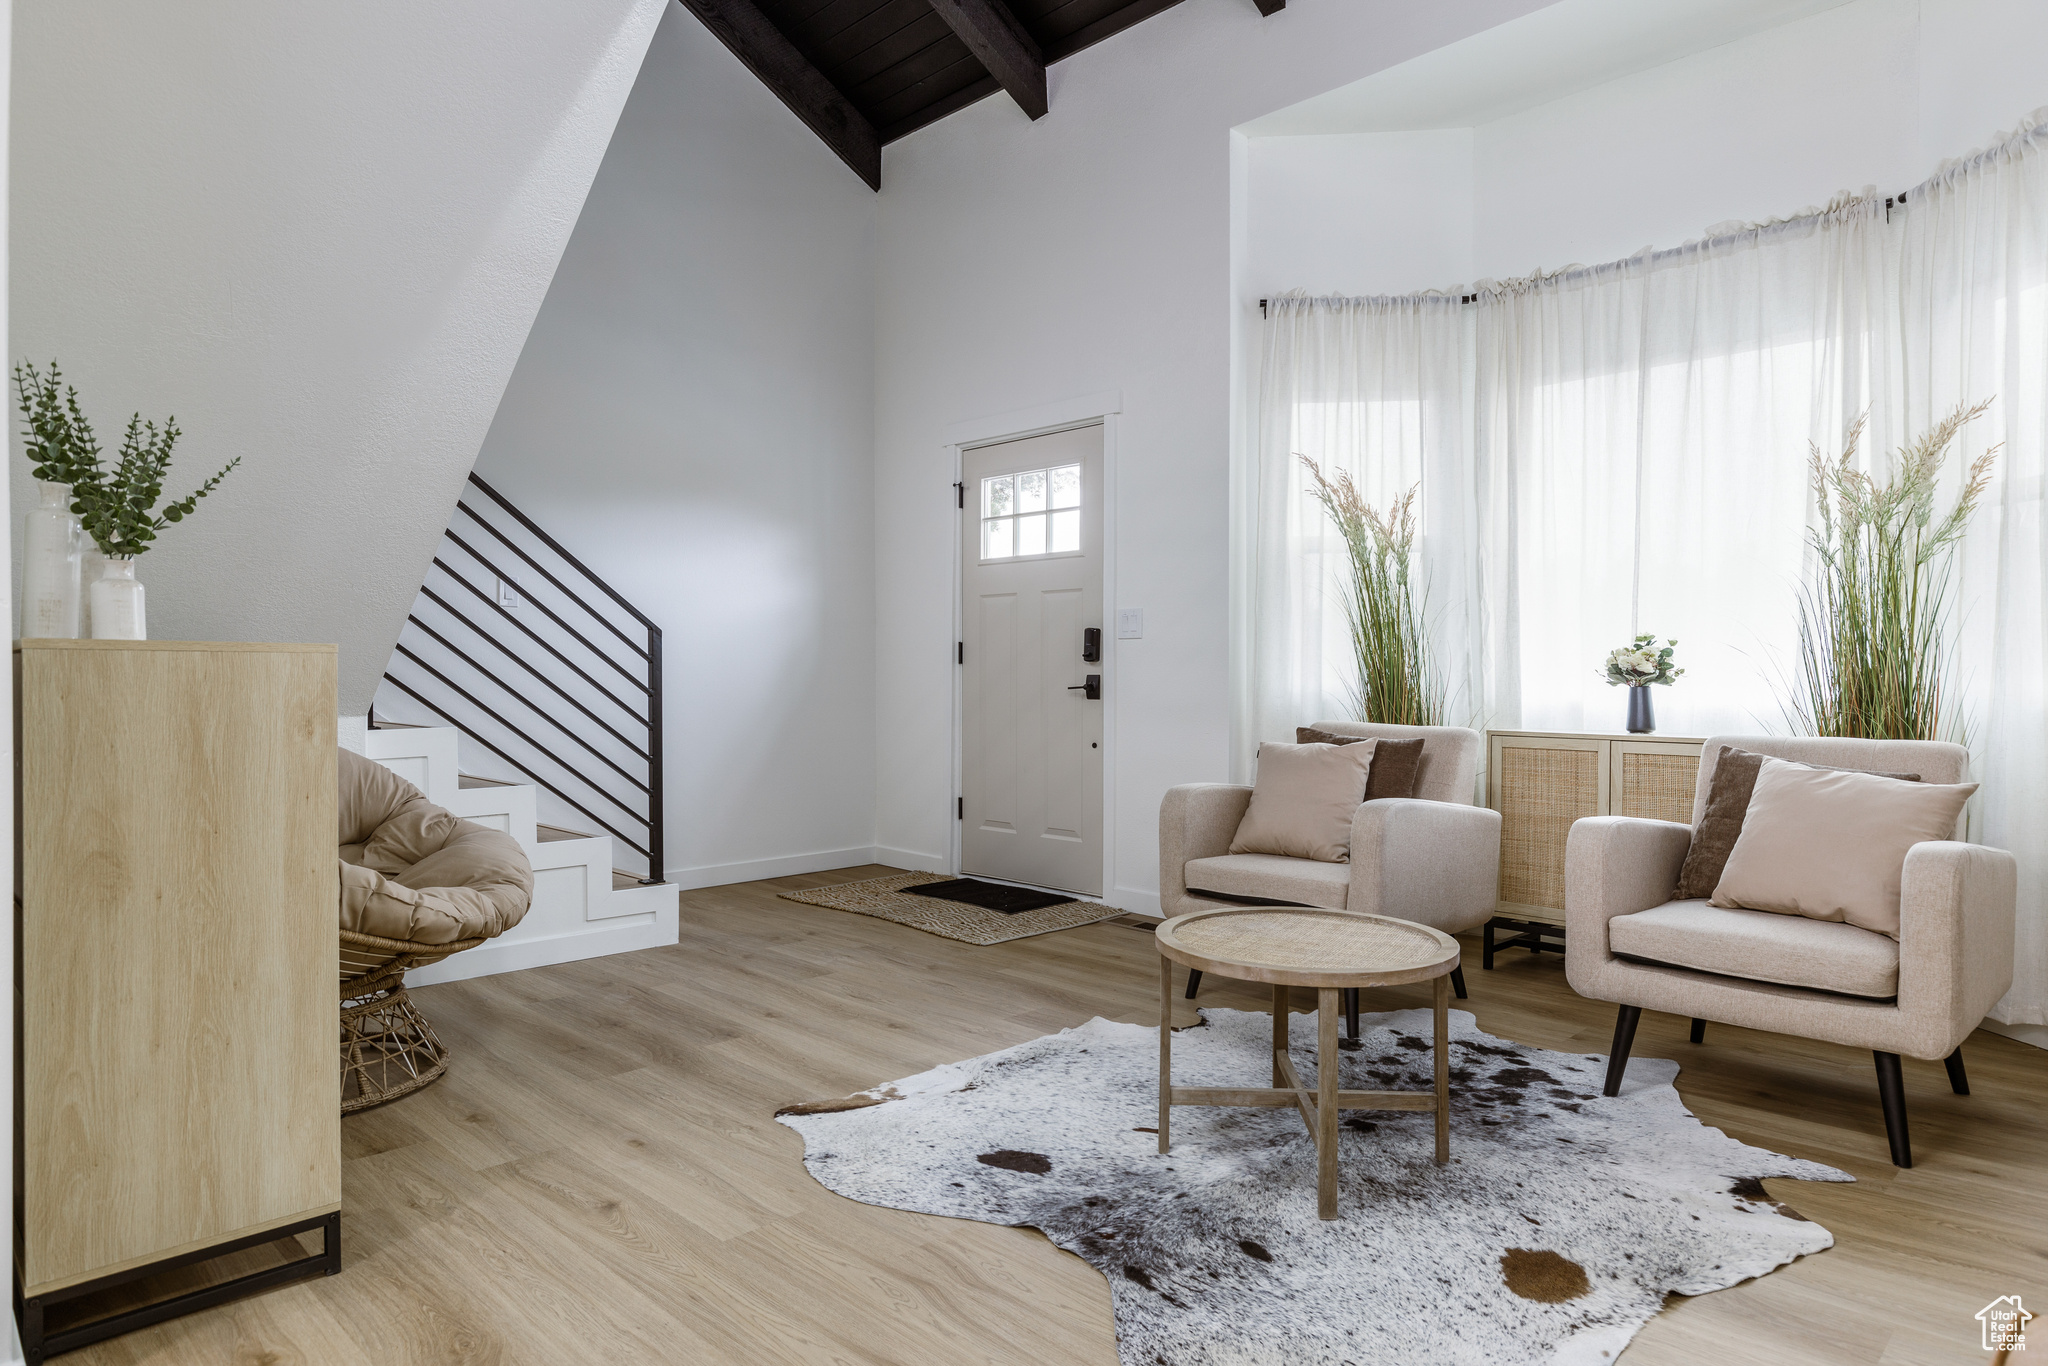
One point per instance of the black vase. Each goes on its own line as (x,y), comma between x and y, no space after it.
(1640,719)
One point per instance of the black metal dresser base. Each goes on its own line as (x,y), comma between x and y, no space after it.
(37,1345)
(1533,935)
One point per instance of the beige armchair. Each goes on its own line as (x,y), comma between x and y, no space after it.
(1629,943)
(1433,858)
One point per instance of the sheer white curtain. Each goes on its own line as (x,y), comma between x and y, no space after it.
(1373,388)
(1966,318)
(1623,448)
(1642,433)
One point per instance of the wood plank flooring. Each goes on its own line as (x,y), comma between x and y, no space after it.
(599,1178)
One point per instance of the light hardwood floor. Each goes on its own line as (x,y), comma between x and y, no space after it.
(599,1178)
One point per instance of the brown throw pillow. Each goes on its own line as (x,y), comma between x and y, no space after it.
(1831,845)
(1396,764)
(1303,801)
(1721,823)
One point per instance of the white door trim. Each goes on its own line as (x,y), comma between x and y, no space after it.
(1083,411)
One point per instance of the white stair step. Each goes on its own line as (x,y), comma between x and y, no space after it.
(583,907)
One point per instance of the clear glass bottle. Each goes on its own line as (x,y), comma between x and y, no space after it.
(117,607)
(50,567)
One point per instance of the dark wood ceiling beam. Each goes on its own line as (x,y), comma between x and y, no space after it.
(741,26)
(1270,6)
(1000,43)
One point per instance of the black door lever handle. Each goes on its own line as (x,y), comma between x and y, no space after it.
(1092,688)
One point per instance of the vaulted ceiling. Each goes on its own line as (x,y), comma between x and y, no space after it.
(863,73)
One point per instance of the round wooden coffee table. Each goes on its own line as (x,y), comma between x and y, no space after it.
(1301,946)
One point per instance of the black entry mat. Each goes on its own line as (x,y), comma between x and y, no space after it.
(992,896)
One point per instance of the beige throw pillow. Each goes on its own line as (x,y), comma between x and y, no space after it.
(1831,845)
(1303,801)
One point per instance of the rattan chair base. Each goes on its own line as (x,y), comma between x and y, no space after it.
(388,1050)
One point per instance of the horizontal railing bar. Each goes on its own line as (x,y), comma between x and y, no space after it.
(595,752)
(554,758)
(556,546)
(501,648)
(443,711)
(546,610)
(567,663)
(542,570)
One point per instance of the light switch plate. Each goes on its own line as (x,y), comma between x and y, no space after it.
(1130,623)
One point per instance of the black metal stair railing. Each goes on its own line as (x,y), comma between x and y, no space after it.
(516,644)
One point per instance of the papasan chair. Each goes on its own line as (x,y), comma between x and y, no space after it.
(417,884)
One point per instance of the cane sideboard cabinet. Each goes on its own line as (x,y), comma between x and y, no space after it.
(1543,781)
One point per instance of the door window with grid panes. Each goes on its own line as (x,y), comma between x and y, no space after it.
(1033,514)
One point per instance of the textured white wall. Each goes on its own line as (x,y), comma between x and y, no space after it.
(1358,213)
(1025,263)
(1100,249)
(693,418)
(1874,92)
(318,235)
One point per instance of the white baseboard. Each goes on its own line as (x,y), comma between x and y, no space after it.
(913,861)
(650,931)
(2037,1035)
(754,870)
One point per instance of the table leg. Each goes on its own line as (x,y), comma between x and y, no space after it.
(1326,1101)
(1165,1048)
(1443,1070)
(1281,998)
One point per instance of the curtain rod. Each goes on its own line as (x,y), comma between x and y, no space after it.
(1898,198)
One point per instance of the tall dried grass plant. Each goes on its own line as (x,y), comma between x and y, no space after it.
(1874,656)
(1398,680)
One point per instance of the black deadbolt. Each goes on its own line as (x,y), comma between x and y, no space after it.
(1091,645)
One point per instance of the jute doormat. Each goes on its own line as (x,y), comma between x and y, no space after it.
(885,899)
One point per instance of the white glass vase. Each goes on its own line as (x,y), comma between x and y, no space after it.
(50,567)
(92,563)
(117,602)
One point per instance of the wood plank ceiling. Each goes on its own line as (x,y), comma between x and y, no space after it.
(862,73)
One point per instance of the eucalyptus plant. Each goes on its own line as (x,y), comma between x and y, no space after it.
(117,506)
(57,436)
(1873,617)
(1398,679)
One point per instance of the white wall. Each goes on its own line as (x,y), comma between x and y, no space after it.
(1358,213)
(10,1336)
(317,234)
(1875,92)
(692,416)
(1021,264)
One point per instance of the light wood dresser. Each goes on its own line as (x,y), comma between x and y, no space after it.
(177,1093)
(1541,782)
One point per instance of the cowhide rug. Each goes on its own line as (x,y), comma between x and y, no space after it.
(1562,1221)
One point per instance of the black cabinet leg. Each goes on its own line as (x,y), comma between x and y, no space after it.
(1351,1013)
(1958,1080)
(1891,1090)
(1458,981)
(1624,1040)
(1486,946)
(1699,1030)
(1194,982)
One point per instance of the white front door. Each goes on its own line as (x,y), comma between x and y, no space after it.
(1031,807)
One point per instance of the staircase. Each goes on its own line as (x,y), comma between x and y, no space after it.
(582,907)
(525,694)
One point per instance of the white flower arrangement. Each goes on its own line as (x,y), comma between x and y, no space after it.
(1640,663)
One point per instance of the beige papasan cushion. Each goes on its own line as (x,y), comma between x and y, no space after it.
(410,870)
